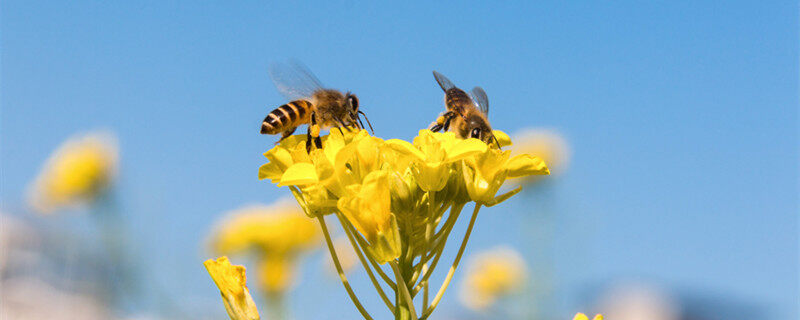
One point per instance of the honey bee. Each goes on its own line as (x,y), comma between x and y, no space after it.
(466,114)
(309,104)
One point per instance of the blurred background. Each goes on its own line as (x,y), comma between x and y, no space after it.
(674,127)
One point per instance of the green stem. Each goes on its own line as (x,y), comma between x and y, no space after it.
(437,252)
(453,268)
(404,290)
(371,275)
(363,243)
(276,306)
(338,265)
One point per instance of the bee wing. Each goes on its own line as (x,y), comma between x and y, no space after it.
(480,97)
(293,80)
(445,83)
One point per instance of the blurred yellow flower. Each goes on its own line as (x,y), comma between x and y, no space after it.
(82,168)
(581,316)
(492,274)
(232,283)
(276,274)
(277,234)
(347,257)
(549,145)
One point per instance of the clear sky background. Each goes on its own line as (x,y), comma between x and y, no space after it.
(682,119)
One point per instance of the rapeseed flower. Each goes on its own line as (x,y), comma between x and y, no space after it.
(277,235)
(232,283)
(492,275)
(79,171)
(397,201)
(581,316)
(549,145)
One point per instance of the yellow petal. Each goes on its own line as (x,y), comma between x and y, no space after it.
(598,317)
(405,148)
(526,165)
(280,156)
(368,207)
(580,316)
(465,148)
(270,171)
(232,283)
(502,138)
(299,174)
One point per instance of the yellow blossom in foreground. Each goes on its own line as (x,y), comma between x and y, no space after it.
(491,275)
(433,152)
(232,283)
(277,234)
(76,173)
(581,316)
(549,145)
(368,207)
(486,173)
(397,201)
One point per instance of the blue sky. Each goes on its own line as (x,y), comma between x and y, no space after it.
(682,119)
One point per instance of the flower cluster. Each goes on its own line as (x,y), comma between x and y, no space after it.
(76,173)
(392,197)
(276,234)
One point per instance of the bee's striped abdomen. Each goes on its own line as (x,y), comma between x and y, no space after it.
(286,116)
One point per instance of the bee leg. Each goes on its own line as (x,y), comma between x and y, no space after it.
(341,125)
(447,123)
(286,134)
(443,121)
(318,142)
(308,140)
(313,133)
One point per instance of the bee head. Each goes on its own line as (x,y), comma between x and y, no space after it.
(352,106)
(479,129)
(352,102)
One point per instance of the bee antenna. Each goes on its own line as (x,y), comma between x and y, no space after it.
(365,118)
(496,141)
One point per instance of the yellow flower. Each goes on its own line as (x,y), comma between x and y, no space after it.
(76,173)
(402,198)
(368,207)
(485,174)
(502,138)
(491,275)
(433,152)
(315,175)
(232,283)
(581,316)
(277,274)
(548,145)
(278,234)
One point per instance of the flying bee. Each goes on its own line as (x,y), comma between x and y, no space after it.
(466,114)
(309,104)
